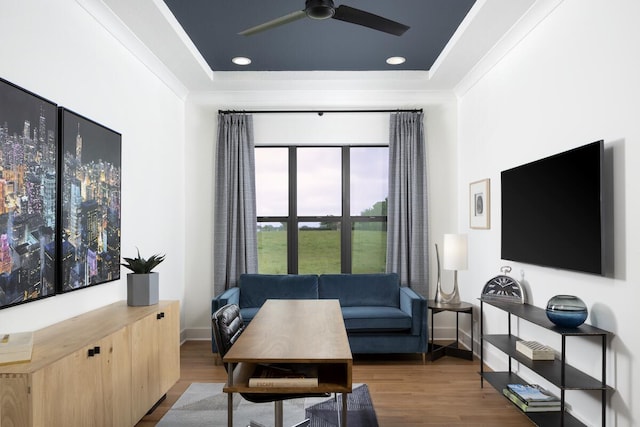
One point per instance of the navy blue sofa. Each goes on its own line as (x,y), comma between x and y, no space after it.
(380,316)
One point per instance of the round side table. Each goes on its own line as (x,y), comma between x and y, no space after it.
(452,349)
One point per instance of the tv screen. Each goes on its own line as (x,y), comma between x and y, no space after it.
(552,211)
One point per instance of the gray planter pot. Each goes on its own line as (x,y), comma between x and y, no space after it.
(143,289)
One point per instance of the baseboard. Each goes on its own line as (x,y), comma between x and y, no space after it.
(440,334)
(448,333)
(196,334)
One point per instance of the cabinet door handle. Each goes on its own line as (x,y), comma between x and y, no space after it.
(91,352)
(96,349)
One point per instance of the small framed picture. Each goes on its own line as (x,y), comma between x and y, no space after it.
(479,204)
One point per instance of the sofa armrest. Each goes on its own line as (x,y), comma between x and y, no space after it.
(230,296)
(415,305)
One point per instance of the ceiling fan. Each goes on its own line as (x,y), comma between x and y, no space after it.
(324,9)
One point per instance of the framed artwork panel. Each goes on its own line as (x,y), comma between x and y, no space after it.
(28,195)
(90,210)
(480,204)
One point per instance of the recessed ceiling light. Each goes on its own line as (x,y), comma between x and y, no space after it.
(241,60)
(396,60)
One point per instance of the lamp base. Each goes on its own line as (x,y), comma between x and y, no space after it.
(448,298)
(441,296)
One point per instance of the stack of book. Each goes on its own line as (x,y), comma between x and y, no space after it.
(531,398)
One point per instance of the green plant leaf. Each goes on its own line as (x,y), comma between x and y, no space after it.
(140,265)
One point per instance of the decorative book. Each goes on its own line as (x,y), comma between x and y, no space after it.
(285,376)
(533,394)
(16,347)
(283,382)
(535,351)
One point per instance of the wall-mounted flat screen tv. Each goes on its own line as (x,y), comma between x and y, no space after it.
(552,211)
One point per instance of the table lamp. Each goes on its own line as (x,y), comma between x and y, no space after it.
(455,258)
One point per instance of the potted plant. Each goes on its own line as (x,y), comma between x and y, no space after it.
(143,285)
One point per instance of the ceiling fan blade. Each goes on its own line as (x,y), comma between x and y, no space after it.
(366,19)
(293,16)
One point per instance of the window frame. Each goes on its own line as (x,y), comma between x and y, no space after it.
(346,220)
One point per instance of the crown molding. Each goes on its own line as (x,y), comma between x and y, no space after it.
(535,15)
(111,22)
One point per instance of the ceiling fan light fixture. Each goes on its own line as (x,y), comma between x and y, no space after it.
(396,60)
(319,9)
(241,60)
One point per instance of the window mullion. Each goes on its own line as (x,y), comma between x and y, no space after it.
(345,231)
(292,222)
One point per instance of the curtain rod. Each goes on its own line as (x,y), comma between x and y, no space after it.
(318,112)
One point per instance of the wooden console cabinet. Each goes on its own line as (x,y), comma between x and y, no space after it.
(107,367)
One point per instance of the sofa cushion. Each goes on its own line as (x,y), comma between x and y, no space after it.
(255,289)
(375,319)
(353,290)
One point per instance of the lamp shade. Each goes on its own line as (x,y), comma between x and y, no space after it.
(455,252)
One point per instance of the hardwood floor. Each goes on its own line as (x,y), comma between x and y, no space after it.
(404,391)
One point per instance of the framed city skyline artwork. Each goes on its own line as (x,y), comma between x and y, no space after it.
(90,202)
(28,195)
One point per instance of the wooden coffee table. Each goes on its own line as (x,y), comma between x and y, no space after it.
(293,332)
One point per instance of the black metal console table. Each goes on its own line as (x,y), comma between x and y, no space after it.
(557,371)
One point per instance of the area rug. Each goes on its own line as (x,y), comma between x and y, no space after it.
(360,412)
(204,404)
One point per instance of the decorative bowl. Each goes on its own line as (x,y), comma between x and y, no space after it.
(567,311)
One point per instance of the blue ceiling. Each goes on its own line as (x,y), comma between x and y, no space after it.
(318,45)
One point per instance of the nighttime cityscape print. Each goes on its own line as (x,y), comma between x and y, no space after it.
(28,156)
(90,250)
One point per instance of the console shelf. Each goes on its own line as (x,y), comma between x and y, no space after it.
(557,371)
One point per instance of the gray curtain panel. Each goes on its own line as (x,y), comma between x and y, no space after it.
(235,248)
(407,239)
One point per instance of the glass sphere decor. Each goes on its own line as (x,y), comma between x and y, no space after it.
(567,311)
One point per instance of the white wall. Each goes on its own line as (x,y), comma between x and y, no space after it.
(440,126)
(570,81)
(57,50)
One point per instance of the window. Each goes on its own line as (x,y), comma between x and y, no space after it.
(322,209)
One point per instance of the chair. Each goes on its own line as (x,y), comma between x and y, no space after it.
(227,326)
